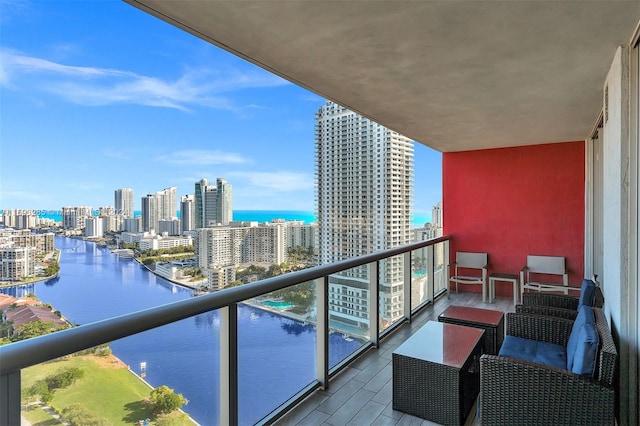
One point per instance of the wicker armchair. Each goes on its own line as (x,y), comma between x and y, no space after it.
(560,305)
(517,392)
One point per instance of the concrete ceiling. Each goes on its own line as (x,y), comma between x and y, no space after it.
(453,75)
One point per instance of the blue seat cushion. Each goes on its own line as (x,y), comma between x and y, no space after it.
(534,351)
(587,293)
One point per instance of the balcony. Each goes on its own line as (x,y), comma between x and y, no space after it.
(424,278)
(361,394)
(536,159)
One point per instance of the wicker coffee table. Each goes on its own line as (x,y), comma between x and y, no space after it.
(487,319)
(436,372)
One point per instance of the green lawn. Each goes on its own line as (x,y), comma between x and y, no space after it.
(38,417)
(113,394)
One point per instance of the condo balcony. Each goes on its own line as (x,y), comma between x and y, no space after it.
(535,107)
(354,387)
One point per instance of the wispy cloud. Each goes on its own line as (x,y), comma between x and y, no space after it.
(88,85)
(197,157)
(279,181)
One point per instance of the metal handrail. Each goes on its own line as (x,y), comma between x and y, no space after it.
(25,353)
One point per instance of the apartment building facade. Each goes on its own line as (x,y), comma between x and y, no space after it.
(364,202)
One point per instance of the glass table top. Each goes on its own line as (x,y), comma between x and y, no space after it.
(442,343)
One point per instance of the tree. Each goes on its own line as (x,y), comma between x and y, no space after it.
(63,378)
(164,400)
(77,415)
(36,328)
(41,391)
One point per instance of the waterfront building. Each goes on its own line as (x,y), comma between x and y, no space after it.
(94,227)
(28,313)
(242,242)
(187,213)
(168,270)
(167,203)
(114,222)
(17,263)
(169,226)
(19,218)
(300,234)
(213,203)
(224,204)
(131,237)
(218,277)
(43,243)
(265,244)
(123,201)
(73,218)
(219,246)
(436,215)
(158,206)
(45,222)
(364,201)
(153,241)
(150,215)
(132,225)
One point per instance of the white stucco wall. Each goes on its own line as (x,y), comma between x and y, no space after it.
(616,184)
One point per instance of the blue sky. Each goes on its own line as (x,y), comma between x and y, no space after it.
(98,95)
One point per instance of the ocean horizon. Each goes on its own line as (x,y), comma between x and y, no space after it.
(261,216)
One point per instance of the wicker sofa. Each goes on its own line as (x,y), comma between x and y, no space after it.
(518,392)
(560,305)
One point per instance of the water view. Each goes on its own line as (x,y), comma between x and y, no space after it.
(276,354)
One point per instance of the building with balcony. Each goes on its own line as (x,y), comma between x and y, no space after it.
(132,225)
(43,243)
(170,226)
(153,241)
(95,227)
(187,213)
(19,219)
(73,218)
(300,234)
(213,203)
(123,201)
(535,109)
(362,169)
(17,263)
(158,206)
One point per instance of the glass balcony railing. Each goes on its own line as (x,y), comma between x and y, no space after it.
(329,309)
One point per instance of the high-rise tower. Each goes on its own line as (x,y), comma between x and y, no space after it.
(224,201)
(150,219)
(157,207)
(364,203)
(123,201)
(167,203)
(187,213)
(213,204)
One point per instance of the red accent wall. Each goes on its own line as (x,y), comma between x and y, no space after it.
(510,202)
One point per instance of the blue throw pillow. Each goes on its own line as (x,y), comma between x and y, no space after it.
(585,358)
(587,293)
(585,316)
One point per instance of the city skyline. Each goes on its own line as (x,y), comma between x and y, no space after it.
(114,98)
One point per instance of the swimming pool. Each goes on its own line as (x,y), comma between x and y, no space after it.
(277,304)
